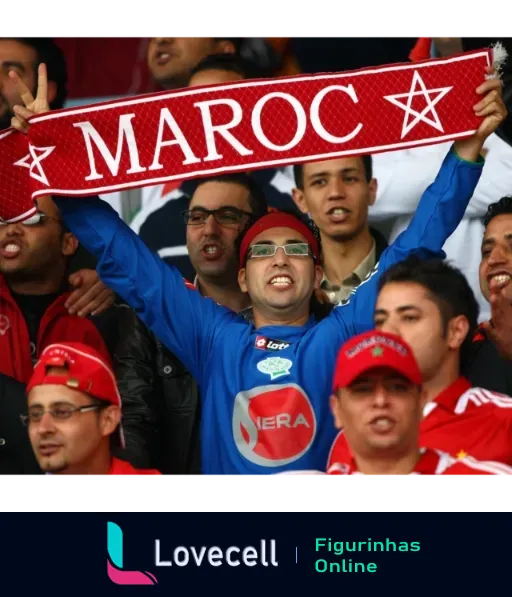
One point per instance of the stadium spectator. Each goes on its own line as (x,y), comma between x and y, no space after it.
(171,59)
(489,363)
(161,412)
(74,413)
(377,400)
(23,55)
(432,307)
(34,291)
(337,194)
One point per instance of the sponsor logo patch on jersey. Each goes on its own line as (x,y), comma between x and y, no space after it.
(264,343)
(275,367)
(273,425)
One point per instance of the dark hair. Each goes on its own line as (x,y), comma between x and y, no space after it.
(503,206)
(446,284)
(236,41)
(298,171)
(257,199)
(48,51)
(224,62)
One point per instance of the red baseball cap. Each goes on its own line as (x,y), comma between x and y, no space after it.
(87,372)
(373,350)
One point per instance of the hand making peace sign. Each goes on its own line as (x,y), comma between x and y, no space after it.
(32,106)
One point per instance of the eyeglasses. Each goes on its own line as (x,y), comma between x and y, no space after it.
(225,216)
(58,413)
(292,250)
(38,218)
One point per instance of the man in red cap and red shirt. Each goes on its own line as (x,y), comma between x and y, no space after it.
(74,409)
(378,401)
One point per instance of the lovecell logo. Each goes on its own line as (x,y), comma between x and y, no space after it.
(115,561)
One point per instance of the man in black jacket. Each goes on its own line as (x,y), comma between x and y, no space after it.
(161,406)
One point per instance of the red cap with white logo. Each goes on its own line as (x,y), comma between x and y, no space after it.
(86,371)
(373,350)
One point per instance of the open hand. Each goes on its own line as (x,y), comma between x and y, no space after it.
(37,105)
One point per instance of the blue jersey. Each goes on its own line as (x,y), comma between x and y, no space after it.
(265,392)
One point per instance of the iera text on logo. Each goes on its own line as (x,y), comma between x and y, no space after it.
(264,555)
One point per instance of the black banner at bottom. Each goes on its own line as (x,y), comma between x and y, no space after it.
(236,554)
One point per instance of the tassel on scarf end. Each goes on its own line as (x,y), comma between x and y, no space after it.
(499,58)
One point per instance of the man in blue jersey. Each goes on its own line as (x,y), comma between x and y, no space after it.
(265,385)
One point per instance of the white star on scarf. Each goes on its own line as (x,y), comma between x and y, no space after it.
(25,162)
(410,122)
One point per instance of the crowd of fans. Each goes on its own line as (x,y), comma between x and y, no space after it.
(313,318)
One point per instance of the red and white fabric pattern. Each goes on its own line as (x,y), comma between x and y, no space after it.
(435,462)
(240,126)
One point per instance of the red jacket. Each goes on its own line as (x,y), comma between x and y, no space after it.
(56,326)
(434,462)
(121,467)
(461,420)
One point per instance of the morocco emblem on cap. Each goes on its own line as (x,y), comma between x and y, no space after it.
(273,425)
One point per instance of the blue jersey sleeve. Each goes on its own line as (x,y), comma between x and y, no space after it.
(183,320)
(439,212)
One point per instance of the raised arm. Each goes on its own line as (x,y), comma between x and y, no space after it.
(439,212)
(177,313)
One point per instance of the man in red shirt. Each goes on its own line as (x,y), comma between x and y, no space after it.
(432,307)
(377,400)
(74,413)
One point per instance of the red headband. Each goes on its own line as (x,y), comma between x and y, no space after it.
(276,219)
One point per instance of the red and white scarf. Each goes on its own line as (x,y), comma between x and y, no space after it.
(241,126)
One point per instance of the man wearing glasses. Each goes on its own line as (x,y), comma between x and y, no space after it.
(74,413)
(161,412)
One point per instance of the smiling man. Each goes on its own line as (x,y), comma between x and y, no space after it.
(489,365)
(338,194)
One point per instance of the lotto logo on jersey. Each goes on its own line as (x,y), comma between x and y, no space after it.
(264,343)
(273,425)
